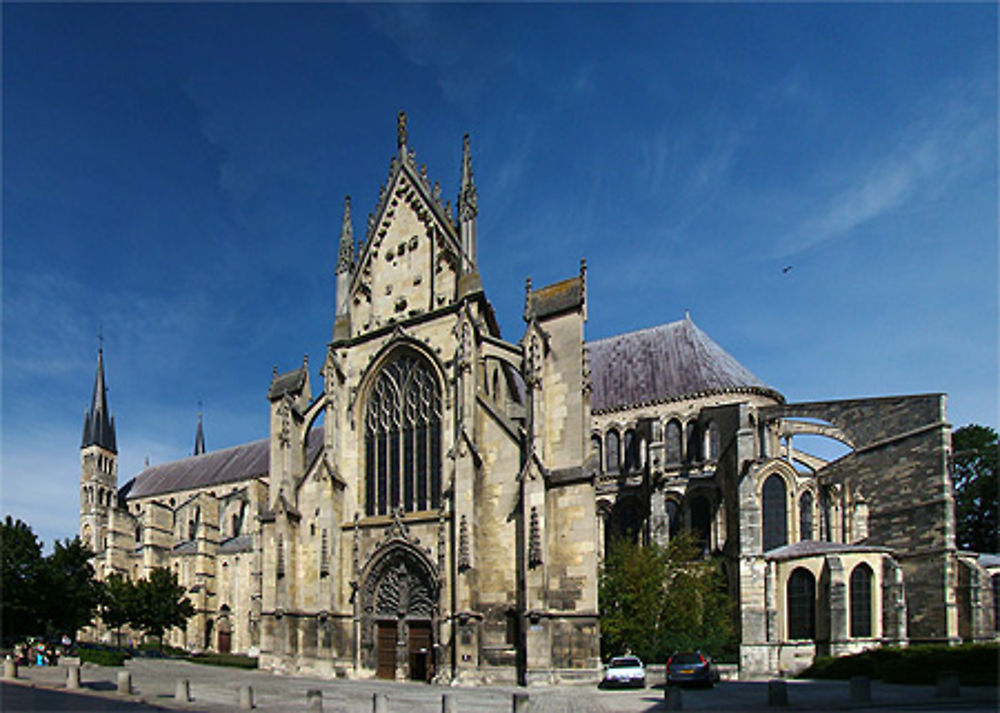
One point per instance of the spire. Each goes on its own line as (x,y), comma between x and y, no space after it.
(401,133)
(468,207)
(199,436)
(345,256)
(98,423)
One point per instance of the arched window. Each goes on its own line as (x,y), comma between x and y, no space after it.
(595,445)
(673,518)
(775,510)
(806,516)
(673,439)
(612,464)
(631,451)
(403,439)
(801,605)
(701,520)
(628,520)
(691,443)
(861,601)
(713,441)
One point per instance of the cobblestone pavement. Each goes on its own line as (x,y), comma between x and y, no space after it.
(216,690)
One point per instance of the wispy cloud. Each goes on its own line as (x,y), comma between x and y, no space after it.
(930,153)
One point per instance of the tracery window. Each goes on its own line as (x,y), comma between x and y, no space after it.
(612,462)
(801,605)
(673,443)
(861,601)
(403,439)
(806,516)
(775,510)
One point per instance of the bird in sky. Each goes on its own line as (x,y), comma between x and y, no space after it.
(785,269)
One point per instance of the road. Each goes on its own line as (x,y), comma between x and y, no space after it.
(215,690)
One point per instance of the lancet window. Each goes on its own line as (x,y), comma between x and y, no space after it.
(403,439)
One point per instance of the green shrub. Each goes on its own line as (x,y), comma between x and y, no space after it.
(976,664)
(103,657)
(234,660)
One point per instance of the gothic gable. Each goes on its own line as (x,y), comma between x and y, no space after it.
(409,263)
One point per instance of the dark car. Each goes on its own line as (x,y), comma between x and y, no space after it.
(691,667)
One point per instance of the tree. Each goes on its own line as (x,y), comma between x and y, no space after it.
(118,603)
(977,501)
(655,600)
(68,594)
(20,566)
(160,603)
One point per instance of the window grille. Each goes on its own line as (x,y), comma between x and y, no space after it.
(403,439)
(324,555)
(861,601)
(801,605)
(775,507)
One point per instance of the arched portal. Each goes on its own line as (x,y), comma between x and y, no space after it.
(399,609)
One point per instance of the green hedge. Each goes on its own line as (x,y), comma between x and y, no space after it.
(975,664)
(234,660)
(103,657)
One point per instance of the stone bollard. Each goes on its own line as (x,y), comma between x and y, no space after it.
(9,668)
(379,703)
(777,692)
(246,698)
(448,703)
(73,677)
(674,699)
(520,703)
(125,682)
(947,685)
(314,700)
(861,689)
(183,690)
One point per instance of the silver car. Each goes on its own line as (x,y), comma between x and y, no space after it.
(624,671)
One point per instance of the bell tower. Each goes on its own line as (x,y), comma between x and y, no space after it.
(98,466)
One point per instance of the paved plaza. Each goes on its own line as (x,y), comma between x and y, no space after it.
(216,690)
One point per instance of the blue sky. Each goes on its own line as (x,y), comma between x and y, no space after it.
(177,173)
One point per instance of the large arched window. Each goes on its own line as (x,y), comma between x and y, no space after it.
(806,516)
(801,593)
(612,463)
(673,439)
(775,509)
(861,601)
(403,439)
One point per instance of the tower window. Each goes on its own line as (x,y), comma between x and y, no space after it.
(403,439)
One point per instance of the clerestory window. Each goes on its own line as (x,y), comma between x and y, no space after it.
(403,438)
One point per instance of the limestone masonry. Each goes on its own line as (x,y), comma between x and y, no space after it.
(436,506)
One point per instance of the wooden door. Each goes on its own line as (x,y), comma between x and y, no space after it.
(225,641)
(386,650)
(421,665)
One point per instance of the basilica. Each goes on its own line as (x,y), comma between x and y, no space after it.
(433,502)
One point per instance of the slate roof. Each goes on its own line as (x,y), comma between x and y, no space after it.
(249,460)
(558,297)
(663,363)
(240,543)
(810,548)
(291,382)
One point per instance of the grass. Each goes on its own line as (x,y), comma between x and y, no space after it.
(975,664)
(233,660)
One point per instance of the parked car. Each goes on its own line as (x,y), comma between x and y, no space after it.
(624,671)
(692,667)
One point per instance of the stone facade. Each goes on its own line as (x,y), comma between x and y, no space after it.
(436,506)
